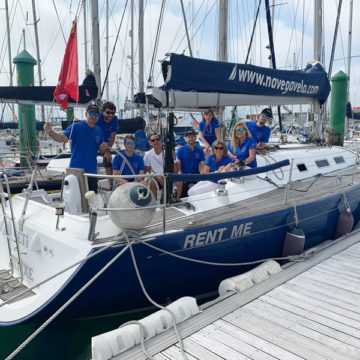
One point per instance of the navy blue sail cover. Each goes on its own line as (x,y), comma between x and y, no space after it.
(191,74)
(87,92)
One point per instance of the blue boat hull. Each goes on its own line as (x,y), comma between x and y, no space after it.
(167,278)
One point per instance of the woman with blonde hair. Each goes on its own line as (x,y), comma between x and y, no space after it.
(218,161)
(243,146)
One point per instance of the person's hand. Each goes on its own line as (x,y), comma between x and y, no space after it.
(107,156)
(47,127)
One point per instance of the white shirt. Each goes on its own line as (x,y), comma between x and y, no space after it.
(155,161)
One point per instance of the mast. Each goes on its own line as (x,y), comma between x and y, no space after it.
(85,36)
(9,42)
(222,39)
(96,44)
(132,56)
(318,20)
(141,51)
(107,48)
(346,130)
(38,54)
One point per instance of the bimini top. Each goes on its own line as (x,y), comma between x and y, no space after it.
(183,73)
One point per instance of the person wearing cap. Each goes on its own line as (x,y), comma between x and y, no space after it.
(109,124)
(209,129)
(128,162)
(259,131)
(190,159)
(86,139)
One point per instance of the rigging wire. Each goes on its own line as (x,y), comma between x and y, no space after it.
(253,32)
(57,15)
(113,51)
(334,40)
(150,79)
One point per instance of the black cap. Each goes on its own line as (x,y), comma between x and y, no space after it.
(93,108)
(190,132)
(267,112)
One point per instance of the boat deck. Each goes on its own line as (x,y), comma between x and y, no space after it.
(310,310)
(302,192)
(10,286)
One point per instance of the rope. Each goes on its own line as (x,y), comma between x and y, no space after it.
(148,296)
(291,258)
(63,307)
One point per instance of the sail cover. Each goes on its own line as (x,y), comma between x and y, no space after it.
(183,73)
(43,95)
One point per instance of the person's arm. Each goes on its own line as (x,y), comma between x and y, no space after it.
(204,141)
(112,139)
(261,145)
(217,133)
(120,181)
(201,166)
(54,135)
(205,170)
(251,156)
(104,149)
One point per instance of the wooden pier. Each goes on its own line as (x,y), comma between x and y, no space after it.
(310,310)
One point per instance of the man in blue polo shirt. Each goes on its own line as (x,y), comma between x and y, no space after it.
(109,124)
(259,131)
(86,139)
(190,159)
(129,163)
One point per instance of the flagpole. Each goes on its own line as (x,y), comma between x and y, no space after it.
(96,44)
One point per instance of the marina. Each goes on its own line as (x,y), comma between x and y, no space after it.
(309,310)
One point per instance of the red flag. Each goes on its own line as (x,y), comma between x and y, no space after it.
(195,124)
(68,79)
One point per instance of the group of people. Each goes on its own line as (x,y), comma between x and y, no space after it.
(97,133)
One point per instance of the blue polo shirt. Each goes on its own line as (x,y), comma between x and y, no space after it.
(214,166)
(259,134)
(242,151)
(108,127)
(190,159)
(85,142)
(136,161)
(209,130)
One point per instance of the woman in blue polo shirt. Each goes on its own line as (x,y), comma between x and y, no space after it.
(209,129)
(243,146)
(218,161)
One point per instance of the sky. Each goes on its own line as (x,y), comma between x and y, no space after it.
(293,37)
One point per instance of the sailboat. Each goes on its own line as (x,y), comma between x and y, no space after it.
(85,254)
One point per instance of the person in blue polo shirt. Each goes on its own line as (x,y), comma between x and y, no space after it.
(243,146)
(109,124)
(209,129)
(128,163)
(258,130)
(190,159)
(86,139)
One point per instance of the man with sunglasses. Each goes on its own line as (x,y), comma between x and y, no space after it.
(259,131)
(109,124)
(86,139)
(128,163)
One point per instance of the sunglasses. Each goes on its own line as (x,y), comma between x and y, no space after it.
(266,117)
(218,147)
(130,143)
(239,130)
(153,140)
(110,112)
(93,114)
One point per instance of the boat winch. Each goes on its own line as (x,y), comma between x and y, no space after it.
(127,197)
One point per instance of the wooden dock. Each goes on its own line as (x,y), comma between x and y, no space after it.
(311,310)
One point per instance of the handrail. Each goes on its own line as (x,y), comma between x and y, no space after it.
(151,177)
(230,174)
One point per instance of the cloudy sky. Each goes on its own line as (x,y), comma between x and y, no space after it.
(293,36)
